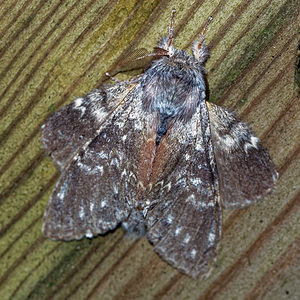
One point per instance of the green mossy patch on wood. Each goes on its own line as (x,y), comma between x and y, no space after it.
(255,46)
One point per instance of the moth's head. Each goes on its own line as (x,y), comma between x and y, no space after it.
(199,49)
(165,53)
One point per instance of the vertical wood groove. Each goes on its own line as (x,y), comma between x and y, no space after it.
(47,58)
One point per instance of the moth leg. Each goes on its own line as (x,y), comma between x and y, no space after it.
(112,78)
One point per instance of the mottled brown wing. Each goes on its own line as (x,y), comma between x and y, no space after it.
(184,216)
(95,191)
(68,129)
(246,171)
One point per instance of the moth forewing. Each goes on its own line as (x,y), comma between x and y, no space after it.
(185,227)
(78,207)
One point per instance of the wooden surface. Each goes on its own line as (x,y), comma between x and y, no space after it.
(54,51)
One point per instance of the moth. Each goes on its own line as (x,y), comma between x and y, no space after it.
(153,155)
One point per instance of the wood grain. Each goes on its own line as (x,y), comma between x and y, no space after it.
(54,51)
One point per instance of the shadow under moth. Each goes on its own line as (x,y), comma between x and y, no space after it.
(151,154)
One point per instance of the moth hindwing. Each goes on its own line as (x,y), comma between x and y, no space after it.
(151,154)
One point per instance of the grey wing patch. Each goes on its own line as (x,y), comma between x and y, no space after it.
(68,129)
(95,191)
(184,220)
(247,173)
(84,203)
(87,199)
